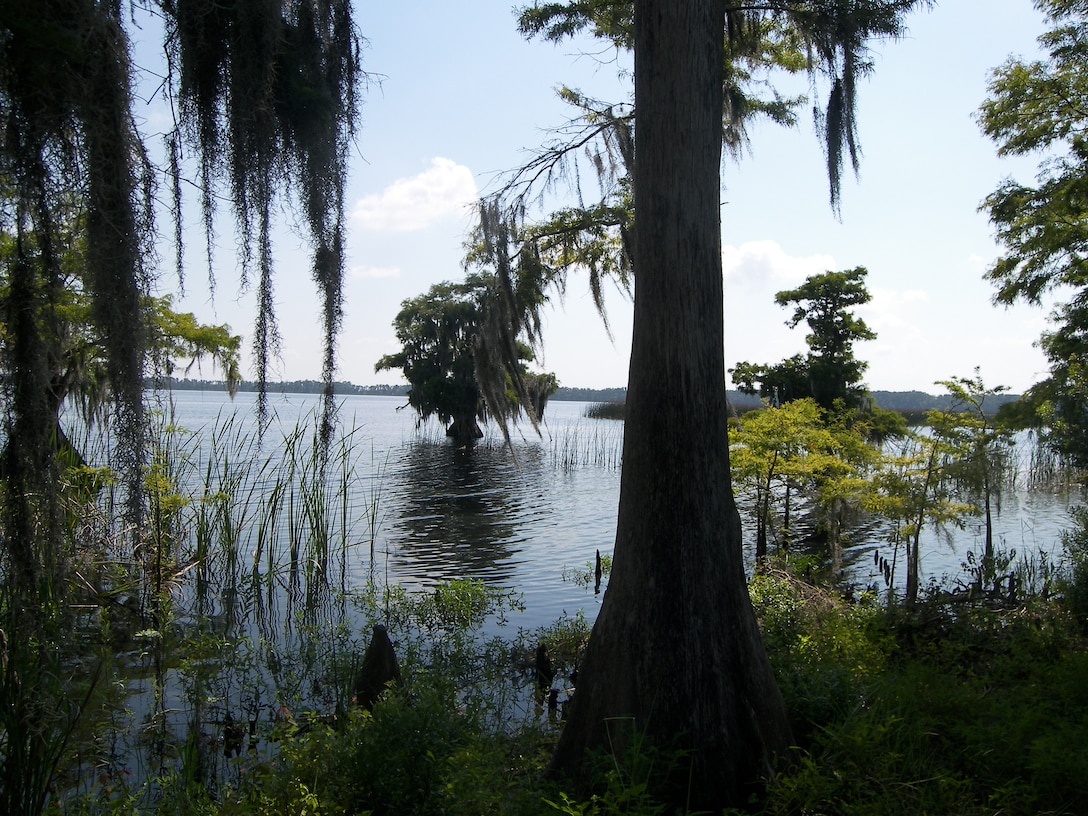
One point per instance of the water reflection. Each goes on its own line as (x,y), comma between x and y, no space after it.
(463,512)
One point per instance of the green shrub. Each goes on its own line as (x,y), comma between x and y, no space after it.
(1074,588)
(821,646)
(975,711)
(422,753)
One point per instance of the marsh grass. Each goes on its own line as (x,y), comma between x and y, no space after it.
(594,444)
(231,625)
(227,603)
(606,410)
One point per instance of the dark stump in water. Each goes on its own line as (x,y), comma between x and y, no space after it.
(379,669)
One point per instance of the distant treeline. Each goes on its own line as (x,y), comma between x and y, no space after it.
(290,387)
(909,401)
(346,388)
(590,394)
(905,401)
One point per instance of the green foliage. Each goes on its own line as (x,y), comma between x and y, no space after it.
(607,19)
(776,383)
(973,714)
(626,781)
(791,38)
(795,447)
(76,362)
(564,640)
(395,759)
(596,237)
(768,451)
(1039,107)
(953,467)
(1075,544)
(585,576)
(829,373)
(878,425)
(823,648)
(1055,407)
(177,336)
(438,633)
(445,342)
(983,446)
(913,490)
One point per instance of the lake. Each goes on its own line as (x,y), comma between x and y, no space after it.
(424,511)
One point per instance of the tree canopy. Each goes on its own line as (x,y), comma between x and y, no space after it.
(1041,108)
(830,372)
(441,333)
(828,40)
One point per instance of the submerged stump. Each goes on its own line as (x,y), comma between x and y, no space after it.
(380,669)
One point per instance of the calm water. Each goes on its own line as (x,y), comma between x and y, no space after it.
(522,521)
(425,511)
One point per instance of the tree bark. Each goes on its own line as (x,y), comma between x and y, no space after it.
(675,654)
(464,430)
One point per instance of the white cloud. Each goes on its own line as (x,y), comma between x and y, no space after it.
(765,265)
(444,189)
(888,308)
(369,272)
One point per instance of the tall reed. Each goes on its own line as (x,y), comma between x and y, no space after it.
(596,444)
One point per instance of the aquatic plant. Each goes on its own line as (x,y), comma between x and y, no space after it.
(605,410)
(592,444)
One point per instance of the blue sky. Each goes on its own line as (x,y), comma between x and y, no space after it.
(458,97)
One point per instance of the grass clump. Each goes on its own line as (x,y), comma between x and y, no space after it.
(606,410)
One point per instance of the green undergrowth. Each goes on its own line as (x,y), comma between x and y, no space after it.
(946,708)
(954,708)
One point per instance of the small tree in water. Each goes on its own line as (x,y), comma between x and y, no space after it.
(983,442)
(441,334)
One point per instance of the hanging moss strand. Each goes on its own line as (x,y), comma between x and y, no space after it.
(268,94)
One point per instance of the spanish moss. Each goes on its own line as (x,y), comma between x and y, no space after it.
(265,95)
(268,101)
(70,146)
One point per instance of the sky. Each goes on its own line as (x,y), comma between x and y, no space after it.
(457,97)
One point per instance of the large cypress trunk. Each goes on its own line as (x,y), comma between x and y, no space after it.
(675,653)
